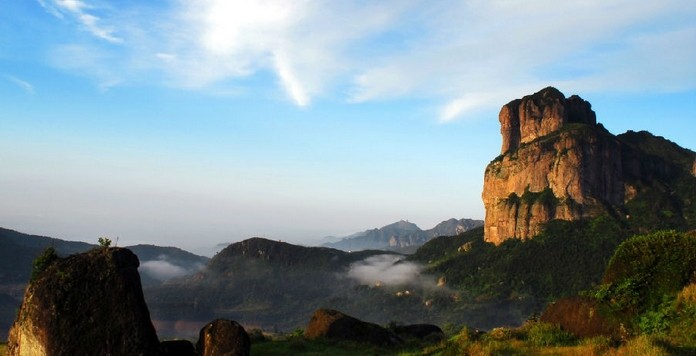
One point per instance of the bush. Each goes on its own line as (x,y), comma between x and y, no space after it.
(45,259)
(104,242)
(646,268)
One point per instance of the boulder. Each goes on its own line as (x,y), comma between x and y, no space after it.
(223,338)
(581,317)
(332,324)
(85,304)
(425,332)
(177,348)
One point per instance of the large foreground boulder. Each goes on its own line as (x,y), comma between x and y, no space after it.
(223,338)
(582,317)
(86,304)
(332,324)
(425,332)
(177,348)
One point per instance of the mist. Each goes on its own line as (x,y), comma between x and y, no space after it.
(163,270)
(389,270)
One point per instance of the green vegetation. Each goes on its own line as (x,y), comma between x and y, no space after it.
(3,348)
(650,286)
(296,345)
(42,262)
(575,256)
(104,242)
(532,338)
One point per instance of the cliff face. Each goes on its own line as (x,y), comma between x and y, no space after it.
(557,162)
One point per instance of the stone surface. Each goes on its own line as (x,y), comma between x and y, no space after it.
(223,338)
(86,304)
(332,324)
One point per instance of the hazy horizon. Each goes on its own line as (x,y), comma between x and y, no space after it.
(195,123)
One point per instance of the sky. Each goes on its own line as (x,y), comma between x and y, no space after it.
(196,122)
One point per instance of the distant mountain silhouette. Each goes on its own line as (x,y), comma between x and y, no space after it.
(401,235)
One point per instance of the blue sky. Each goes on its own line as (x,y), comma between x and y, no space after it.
(190,123)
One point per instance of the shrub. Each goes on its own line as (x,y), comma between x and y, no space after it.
(104,242)
(45,259)
(645,268)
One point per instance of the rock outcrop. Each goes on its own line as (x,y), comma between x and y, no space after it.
(332,324)
(85,304)
(223,338)
(557,162)
(582,317)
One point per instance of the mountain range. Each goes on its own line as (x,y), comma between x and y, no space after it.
(401,236)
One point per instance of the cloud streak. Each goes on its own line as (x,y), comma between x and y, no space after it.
(462,56)
(27,87)
(78,10)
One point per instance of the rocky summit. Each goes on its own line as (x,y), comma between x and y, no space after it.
(558,162)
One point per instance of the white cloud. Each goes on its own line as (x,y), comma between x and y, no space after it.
(386,270)
(27,87)
(71,5)
(77,9)
(464,56)
(162,270)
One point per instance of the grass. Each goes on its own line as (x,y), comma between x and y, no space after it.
(300,346)
(533,338)
(3,349)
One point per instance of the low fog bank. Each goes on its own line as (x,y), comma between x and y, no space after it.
(162,269)
(390,270)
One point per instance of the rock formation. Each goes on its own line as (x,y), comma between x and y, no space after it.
(332,324)
(86,304)
(223,338)
(557,162)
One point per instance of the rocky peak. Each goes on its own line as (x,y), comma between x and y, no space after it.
(524,120)
(557,162)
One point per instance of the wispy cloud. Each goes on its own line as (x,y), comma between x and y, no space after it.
(464,56)
(27,87)
(78,10)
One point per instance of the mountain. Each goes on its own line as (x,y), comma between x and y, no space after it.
(557,162)
(260,282)
(18,250)
(401,235)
